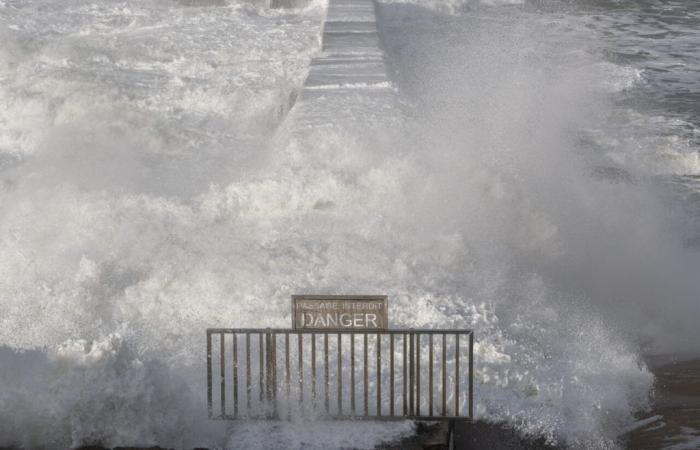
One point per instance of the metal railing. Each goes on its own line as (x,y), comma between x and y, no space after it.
(378,375)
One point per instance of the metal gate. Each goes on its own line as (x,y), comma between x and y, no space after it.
(340,374)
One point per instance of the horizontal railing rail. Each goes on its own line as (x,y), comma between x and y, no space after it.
(341,374)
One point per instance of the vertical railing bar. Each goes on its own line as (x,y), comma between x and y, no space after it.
(340,374)
(352,372)
(273,369)
(209,376)
(325,370)
(365,373)
(411,393)
(247,372)
(222,374)
(261,367)
(471,375)
(430,375)
(444,374)
(456,374)
(287,374)
(300,354)
(391,378)
(268,372)
(404,377)
(418,336)
(268,351)
(379,374)
(313,370)
(235,374)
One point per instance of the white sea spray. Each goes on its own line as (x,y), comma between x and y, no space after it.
(149,202)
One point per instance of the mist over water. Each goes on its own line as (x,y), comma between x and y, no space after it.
(543,133)
(152,186)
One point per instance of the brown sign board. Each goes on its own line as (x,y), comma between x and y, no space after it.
(340,312)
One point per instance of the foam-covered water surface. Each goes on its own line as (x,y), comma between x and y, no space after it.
(156,96)
(153,185)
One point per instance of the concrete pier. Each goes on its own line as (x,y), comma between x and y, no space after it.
(351,55)
(348,85)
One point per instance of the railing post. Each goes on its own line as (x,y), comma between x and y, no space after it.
(391,378)
(405,375)
(248,386)
(444,374)
(430,374)
(411,374)
(287,374)
(471,375)
(326,395)
(269,369)
(300,362)
(262,373)
(379,375)
(352,373)
(418,336)
(235,375)
(456,374)
(209,376)
(340,374)
(313,371)
(365,372)
(273,370)
(222,373)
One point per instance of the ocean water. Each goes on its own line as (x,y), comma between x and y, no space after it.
(532,173)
